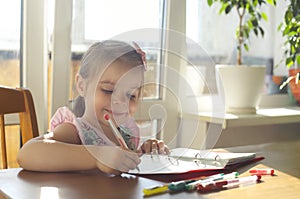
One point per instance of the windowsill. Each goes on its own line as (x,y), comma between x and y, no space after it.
(276,113)
(262,117)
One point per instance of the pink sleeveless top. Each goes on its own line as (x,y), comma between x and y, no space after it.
(89,135)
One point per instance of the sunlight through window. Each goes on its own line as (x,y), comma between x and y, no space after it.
(278,112)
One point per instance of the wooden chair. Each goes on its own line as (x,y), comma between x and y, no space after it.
(17,101)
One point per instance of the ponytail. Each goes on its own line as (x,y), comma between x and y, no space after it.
(78,106)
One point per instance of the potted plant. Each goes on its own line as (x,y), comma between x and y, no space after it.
(242,95)
(290,28)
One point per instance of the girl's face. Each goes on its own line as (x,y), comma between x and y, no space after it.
(117,92)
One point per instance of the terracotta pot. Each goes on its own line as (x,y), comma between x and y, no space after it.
(277,79)
(295,88)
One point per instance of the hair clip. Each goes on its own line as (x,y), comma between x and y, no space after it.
(141,52)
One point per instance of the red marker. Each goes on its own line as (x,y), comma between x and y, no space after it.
(262,171)
(213,186)
(227,184)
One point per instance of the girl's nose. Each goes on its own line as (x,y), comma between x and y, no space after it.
(119,102)
(118,97)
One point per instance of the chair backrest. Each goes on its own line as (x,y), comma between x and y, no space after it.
(20,101)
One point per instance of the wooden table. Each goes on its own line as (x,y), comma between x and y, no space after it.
(284,157)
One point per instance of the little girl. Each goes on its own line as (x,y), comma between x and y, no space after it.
(109,82)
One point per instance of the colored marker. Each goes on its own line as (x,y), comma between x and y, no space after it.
(213,186)
(192,186)
(158,189)
(221,176)
(231,183)
(262,171)
(173,187)
(180,185)
(117,134)
(243,181)
(230,175)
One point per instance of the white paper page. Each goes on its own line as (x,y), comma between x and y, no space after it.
(183,160)
(211,155)
(162,164)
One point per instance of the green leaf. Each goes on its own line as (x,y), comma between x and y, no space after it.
(289,62)
(228,8)
(209,2)
(286,31)
(298,60)
(254,22)
(262,32)
(272,2)
(250,9)
(222,9)
(264,16)
(246,47)
(290,34)
(288,16)
(279,26)
(246,32)
(255,31)
(255,2)
(250,25)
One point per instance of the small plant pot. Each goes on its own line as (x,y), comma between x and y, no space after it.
(241,86)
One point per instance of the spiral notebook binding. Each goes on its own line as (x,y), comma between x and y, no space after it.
(197,159)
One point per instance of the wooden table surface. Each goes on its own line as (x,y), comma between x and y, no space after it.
(284,157)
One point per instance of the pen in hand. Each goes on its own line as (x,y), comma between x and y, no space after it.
(117,134)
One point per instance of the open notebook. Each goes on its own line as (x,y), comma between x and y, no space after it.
(182,160)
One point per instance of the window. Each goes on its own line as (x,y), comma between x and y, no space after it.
(10,16)
(10,23)
(216,35)
(96,20)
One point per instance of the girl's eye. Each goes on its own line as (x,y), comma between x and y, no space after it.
(130,96)
(107,91)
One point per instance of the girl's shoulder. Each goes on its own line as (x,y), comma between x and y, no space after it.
(62,115)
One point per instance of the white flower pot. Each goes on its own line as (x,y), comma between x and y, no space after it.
(241,86)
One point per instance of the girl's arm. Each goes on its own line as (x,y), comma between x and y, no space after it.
(62,151)
(41,154)
(56,151)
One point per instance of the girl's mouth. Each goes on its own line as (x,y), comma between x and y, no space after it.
(117,114)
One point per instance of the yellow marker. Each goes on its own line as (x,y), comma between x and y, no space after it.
(155,190)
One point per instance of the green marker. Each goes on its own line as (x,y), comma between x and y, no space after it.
(179,186)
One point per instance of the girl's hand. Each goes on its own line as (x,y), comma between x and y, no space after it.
(154,146)
(114,159)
